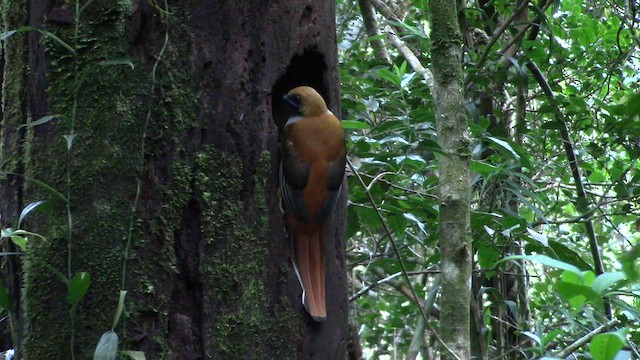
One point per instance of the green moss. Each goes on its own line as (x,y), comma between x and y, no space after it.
(98,175)
(235,261)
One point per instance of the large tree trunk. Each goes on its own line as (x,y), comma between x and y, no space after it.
(169,170)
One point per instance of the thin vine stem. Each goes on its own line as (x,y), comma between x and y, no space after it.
(164,13)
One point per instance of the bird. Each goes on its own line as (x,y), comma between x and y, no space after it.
(312,167)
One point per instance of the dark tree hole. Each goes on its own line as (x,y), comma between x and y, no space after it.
(306,69)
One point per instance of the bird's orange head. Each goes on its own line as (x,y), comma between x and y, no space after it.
(306,101)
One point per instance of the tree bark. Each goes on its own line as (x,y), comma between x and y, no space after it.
(454,240)
(166,177)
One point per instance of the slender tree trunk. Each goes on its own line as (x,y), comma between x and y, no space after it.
(455,240)
(161,164)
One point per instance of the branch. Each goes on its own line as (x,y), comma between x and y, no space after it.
(384,10)
(499,31)
(373,30)
(585,339)
(581,201)
(418,334)
(411,58)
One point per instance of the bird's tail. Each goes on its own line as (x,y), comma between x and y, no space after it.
(308,263)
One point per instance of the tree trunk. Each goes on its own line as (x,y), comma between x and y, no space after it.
(163,157)
(455,239)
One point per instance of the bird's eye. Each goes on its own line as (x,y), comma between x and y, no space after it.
(293,100)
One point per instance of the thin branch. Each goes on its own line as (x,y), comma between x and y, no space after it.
(585,339)
(418,335)
(411,58)
(385,10)
(394,40)
(499,31)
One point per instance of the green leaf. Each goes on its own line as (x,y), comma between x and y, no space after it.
(49,188)
(119,309)
(20,241)
(544,260)
(606,280)
(107,348)
(5,35)
(541,238)
(42,120)
(566,254)
(69,138)
(484,168)
(532,336)
(606,346)
(17,236)
(117,62)
(577,295)
(504,145)
(135,355)
(389,76)
(5,299)
(77,287)
(31,207)
(55,38)
(354,124)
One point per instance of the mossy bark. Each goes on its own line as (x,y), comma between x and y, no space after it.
(454,192)
(166,178)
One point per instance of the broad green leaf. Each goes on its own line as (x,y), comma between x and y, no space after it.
(107,348)
(77,287)
(606,280)
(20,241)
(488,255)
(483,167)
(606,346)
(576,295)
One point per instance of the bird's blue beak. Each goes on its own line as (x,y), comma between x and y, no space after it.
(293,100)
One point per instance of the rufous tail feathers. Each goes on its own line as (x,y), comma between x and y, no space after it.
(308,263)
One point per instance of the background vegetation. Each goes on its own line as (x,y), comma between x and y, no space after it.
(553,105)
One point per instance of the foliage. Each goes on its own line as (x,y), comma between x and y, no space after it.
(537,281)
